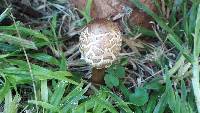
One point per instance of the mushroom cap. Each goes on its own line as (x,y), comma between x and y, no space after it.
(100,43)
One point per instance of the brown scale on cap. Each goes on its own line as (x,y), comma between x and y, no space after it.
(100,43)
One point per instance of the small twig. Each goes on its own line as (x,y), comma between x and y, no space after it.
(28,62)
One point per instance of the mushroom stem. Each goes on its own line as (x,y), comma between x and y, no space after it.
(98,76)
(100,45)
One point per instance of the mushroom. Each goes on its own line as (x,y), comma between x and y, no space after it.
(100,45)
(114,8)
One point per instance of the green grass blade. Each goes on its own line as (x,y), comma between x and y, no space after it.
(44,91)
(45,105)
(161,105)
(63,63)
(42,73)
(193,11)
(16,76)
(86,12)
(58,93)
(177,65)
(85,106)
(197,35)
(5,13)
(4,56)
(7,47)
(106,104)
(195,63)
(183,91)
(171,100)
(71,100)
(152,103)
(4,90)
(120,103)
(45,58)
(8,101)
(25,31)
(13,104)
(17,41)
